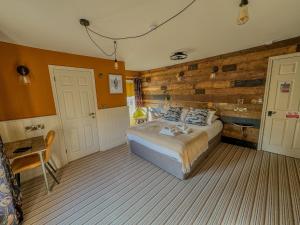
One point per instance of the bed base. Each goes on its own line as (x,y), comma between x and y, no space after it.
(170,164)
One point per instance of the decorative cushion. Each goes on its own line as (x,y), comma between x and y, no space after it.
(173,114)
(197,117)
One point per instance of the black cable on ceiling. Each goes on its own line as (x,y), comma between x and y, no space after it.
(86,24)
(147,32)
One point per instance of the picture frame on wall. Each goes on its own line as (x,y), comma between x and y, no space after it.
(115,84)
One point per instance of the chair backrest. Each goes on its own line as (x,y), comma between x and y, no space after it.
(49,141)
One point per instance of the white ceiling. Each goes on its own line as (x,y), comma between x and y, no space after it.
(206,29)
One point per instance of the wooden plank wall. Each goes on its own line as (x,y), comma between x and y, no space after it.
(241,75)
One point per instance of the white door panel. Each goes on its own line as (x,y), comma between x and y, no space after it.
(281,133)
(76,102)
(296,139)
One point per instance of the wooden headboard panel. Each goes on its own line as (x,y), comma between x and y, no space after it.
(241,75)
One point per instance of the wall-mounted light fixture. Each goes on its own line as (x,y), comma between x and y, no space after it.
(23,72)
(243,13)
(214,71)
(180,76)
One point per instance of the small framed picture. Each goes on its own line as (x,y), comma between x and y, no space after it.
(115,84)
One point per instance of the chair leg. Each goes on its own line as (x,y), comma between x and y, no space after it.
(52,175)
(18,178)
(50,165)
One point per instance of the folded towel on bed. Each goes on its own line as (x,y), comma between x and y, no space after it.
(188,146)
(171,131)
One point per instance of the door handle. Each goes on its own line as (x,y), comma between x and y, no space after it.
(270,113)
(92,115)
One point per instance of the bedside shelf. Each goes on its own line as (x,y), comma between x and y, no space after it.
(243,127)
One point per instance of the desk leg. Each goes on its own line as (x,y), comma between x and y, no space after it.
(44,171)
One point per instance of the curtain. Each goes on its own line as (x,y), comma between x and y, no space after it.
(138,92)
(10,195)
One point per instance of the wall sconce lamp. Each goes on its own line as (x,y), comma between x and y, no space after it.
(180,76)
(243,13)
(23,72)
(214,71)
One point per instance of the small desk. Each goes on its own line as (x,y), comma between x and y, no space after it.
(38,147)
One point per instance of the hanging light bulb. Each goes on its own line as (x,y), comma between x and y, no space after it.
(243,13)
(116,64)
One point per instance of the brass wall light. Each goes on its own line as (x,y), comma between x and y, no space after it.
(23,72)
(180,76)
(214,71)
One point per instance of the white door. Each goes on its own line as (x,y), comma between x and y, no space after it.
(282,125)
(77,106)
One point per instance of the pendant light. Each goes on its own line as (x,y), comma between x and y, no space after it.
(243,16)
(116,65)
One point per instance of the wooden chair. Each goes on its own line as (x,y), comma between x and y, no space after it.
(32,161)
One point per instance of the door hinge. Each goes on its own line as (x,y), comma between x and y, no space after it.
(54,78)
(66,150)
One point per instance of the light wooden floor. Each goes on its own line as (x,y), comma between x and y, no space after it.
(234,185)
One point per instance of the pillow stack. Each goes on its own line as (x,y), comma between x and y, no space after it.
(173,114)
(197,117)
(200,117)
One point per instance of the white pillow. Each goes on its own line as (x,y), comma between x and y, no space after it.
(184,113)
(214,119)
(211,117)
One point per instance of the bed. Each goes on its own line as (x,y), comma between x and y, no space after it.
(146,142)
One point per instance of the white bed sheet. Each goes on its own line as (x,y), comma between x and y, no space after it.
(211,130)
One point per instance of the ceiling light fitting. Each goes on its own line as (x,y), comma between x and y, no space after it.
(178,56)
(243,16)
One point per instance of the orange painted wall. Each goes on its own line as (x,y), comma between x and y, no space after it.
(18,101)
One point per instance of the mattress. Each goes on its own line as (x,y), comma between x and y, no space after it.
(212,131)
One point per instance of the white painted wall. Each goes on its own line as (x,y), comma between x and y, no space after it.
(112,125)
(15,130)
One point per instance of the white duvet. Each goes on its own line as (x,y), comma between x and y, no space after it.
(185,149)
